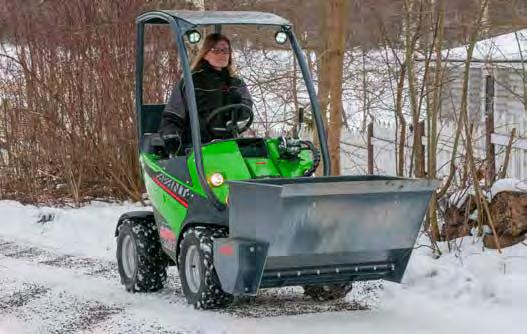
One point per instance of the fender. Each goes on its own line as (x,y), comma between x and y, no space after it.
(142,217)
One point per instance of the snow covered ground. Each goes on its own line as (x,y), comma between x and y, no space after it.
(58,275)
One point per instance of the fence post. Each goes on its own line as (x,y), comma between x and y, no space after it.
(422,165)
(370,148)
(489,130)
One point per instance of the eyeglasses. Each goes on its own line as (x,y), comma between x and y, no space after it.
(218,51)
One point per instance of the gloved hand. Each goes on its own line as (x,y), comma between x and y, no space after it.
(172,143)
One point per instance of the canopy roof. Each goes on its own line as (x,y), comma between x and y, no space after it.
(202,18)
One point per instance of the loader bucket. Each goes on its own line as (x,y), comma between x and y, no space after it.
(322,230)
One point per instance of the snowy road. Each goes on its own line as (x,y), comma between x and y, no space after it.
(61,277)
(51,293)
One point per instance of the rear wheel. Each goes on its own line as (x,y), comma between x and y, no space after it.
(327,292)
(199,280)
(140,259)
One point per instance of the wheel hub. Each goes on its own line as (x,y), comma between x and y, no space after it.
(129,256)
(193,269)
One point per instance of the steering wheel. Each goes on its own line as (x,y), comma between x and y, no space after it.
(240,119)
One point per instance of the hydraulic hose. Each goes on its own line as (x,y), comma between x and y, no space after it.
(316,157)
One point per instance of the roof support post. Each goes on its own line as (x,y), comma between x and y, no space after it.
(321,131)
(193,113)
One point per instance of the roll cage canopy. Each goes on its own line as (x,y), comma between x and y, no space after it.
(182,21)
(203,18)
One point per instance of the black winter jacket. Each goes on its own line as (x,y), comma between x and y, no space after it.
(213,89)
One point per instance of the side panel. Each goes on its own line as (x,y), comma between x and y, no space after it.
(170,198)
(176,204)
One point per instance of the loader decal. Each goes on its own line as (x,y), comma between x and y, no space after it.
(176,190)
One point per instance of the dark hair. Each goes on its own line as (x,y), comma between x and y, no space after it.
(210,41)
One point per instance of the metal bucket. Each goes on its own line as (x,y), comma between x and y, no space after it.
(319,230)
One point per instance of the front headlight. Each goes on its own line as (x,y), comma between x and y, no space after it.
(216,179)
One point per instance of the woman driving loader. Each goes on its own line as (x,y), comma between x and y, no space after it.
(217,90)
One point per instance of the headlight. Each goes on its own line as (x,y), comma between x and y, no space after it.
(216,179)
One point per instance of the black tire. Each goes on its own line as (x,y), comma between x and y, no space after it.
(327,292)
(149,272)
(203,290)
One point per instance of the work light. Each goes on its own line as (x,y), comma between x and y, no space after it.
(280,37)
(194,36)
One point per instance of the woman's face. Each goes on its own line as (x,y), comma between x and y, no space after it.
(219,55)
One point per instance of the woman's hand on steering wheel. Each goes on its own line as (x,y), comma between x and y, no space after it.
(237,113)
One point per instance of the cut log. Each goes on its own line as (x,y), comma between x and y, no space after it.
(457,224)
(509,213)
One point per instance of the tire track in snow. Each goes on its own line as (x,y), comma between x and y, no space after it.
(72,303)
(88,266)
(60,311)
(123,323)
(21,297)
(269,303)
(289,301)
(77,314)
(45,310)
(86,315)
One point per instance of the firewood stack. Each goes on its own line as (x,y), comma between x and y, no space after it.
(457,220)
(508,210)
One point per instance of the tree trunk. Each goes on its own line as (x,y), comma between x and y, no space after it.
(401,123)
(410,37)
(335,22)
(433,111)
(323,84)
(483,208)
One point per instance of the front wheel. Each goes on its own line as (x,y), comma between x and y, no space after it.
(140,260)
(199,280)
(327,292)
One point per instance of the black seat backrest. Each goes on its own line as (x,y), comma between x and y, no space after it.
(153,143)
(151,118)
(149,139)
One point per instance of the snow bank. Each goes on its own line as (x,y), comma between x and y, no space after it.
(471,276)
(85,231)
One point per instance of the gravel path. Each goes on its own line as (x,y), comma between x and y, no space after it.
(45,292)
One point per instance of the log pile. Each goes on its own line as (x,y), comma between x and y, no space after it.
(457,220)
(508,210)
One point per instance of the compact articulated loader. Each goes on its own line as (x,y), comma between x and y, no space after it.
(243,214)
